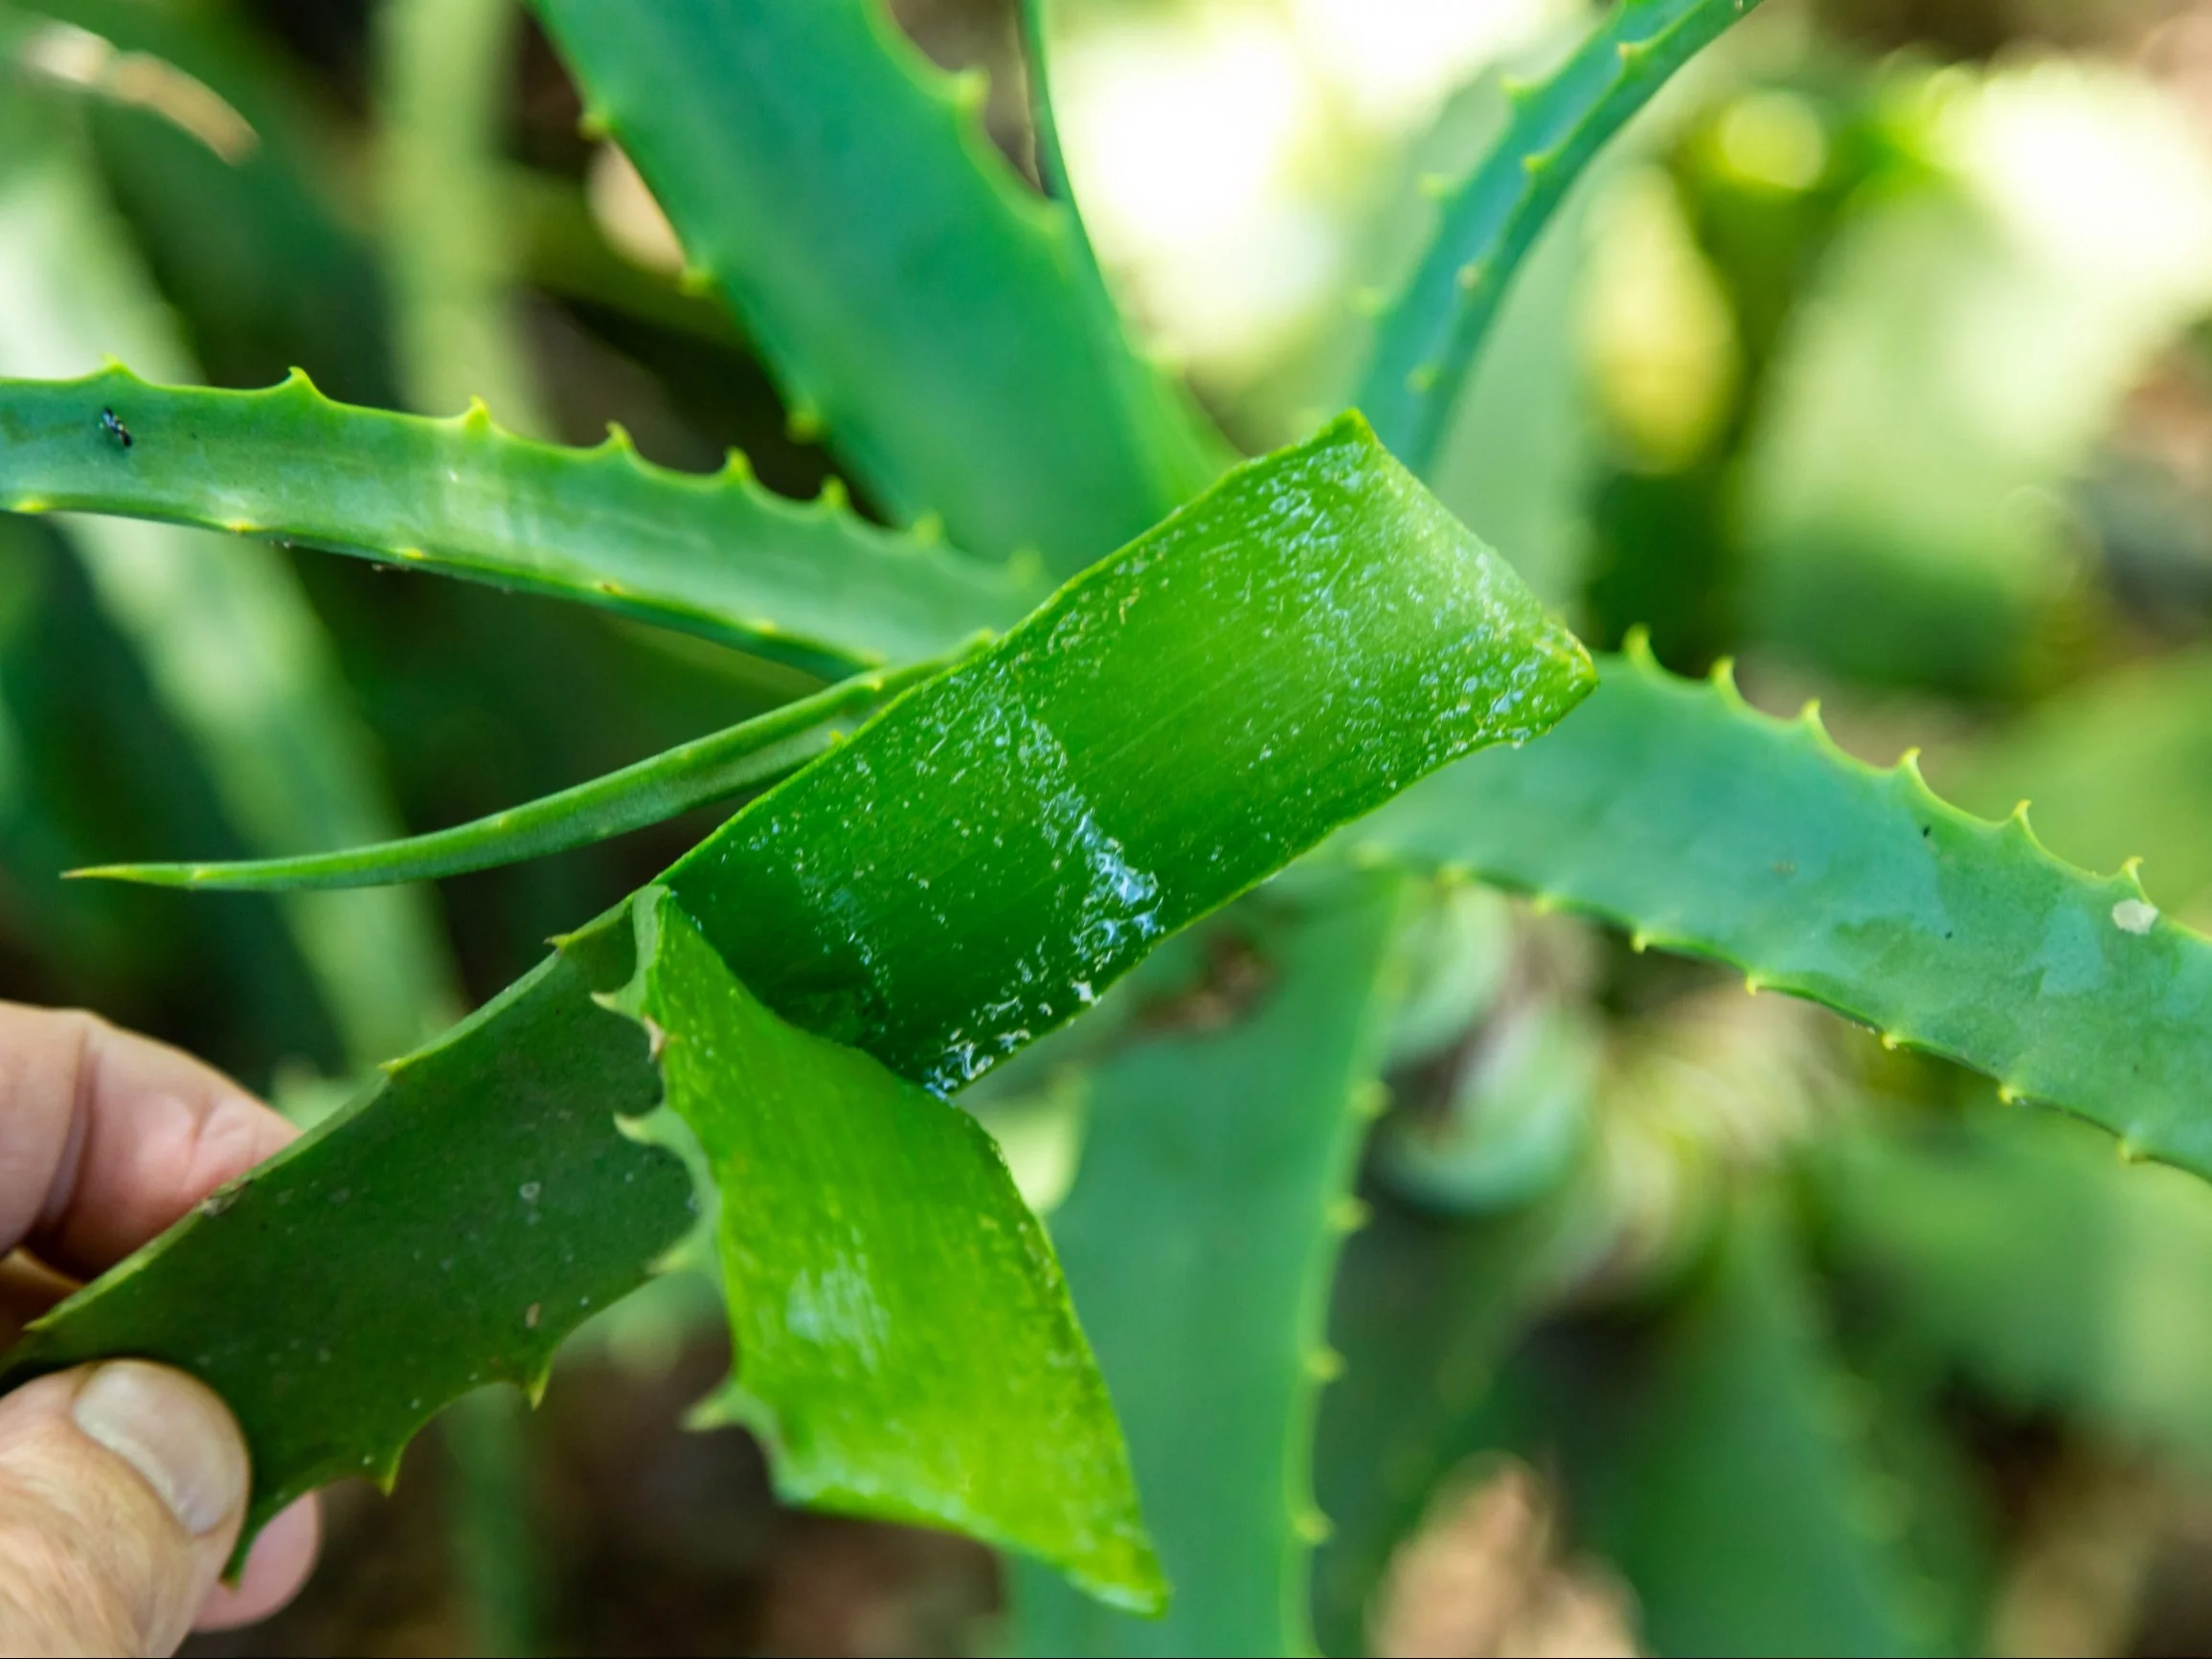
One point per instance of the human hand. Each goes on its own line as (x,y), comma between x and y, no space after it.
(122,1485)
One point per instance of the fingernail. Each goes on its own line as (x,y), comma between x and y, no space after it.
(173,1432)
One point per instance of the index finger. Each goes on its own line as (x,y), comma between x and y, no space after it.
(107,1138)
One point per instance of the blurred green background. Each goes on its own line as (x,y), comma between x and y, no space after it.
(1877,358)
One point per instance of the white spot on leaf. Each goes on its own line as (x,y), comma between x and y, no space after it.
(2133,916)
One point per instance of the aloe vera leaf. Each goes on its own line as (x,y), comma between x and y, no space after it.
(445,1231)
(910,1352)
(1309,599)
(228,640)
(745,756)
(1200,1238)
(1714,1463)
(1675,810)
(945,327)
(1309,636)
(1428,339)
(712,555)
(2015,1254)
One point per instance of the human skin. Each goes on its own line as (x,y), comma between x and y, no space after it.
(123,1485)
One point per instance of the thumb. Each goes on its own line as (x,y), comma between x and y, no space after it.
(121,1489)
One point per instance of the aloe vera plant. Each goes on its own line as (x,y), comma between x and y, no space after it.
(1104,754)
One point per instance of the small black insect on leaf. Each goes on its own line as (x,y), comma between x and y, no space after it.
(115,429)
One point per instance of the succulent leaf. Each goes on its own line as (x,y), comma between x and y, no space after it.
(1427,340)
(1678,812)
(1716,1465)
(712,555)
(970,870)
(749,755)
(1200,1237)
(945,327)
(909,1351)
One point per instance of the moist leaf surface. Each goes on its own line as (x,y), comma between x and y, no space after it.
(1278,658)
(1312,635)
(446,1231)
(906,1347)
(1200,1238)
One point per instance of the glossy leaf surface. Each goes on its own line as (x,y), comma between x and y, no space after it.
(906,1347)
(1200,1239)
(750,755)
(1278,657)
(1429,338)
(941,324)
(1701,825)
(1310,637)
(715,556)
(446,1231)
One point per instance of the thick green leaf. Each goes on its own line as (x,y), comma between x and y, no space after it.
(970,870)
(1678,812)
(943,325)
(749,755)
(713,555)
(1200,1239)
(1713,1461)
(446,1231)
(228,640)
(907,1348)
(1313,635)
(1429,338)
